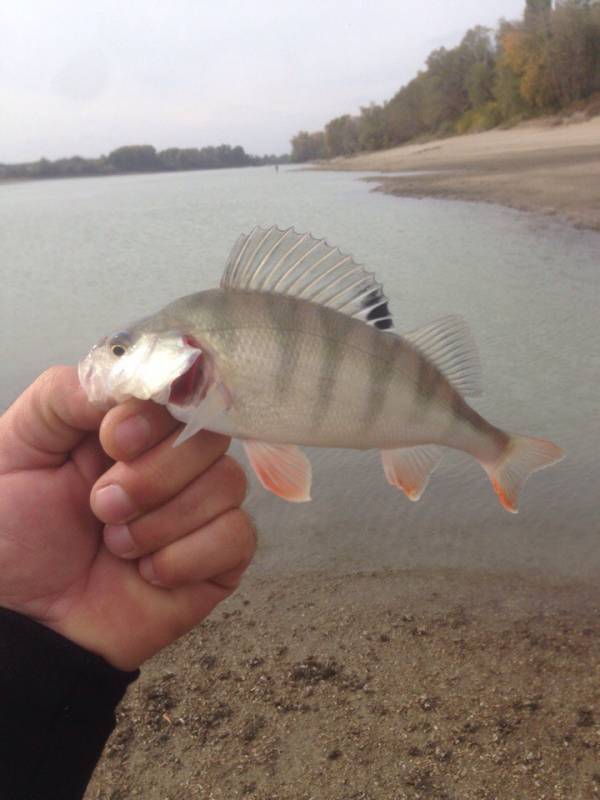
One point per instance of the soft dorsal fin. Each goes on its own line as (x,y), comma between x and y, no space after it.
(297,264)
(448,343)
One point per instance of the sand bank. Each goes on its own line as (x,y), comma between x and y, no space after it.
(386,686)
(539,166)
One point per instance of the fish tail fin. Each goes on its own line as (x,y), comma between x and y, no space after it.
(522,456)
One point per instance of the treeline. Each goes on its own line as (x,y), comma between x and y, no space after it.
(543,63)
(141,158)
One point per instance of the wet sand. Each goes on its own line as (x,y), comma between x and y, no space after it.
(372,686)
(539,166)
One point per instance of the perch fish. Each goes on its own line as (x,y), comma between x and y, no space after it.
(297,347)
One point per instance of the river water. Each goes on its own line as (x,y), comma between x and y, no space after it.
(79,258)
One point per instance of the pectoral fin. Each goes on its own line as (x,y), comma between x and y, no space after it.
(210,409)
(409,468)
(281,468)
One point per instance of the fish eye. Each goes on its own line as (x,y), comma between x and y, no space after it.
(119,343)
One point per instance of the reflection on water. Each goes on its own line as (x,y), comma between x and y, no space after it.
(82,257)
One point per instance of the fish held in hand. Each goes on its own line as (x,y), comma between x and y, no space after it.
(297,347)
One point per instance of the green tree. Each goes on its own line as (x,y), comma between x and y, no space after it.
(574,49)
(480,83)
(404,113)
(308,147)
(341,136)
(135,158)
(372,128)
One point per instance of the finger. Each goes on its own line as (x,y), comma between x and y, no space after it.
(46,422)
(225,545)
(219,489)
(131,428)
(90,459)
(130,489)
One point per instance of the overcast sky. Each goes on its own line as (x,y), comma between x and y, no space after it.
(85,76)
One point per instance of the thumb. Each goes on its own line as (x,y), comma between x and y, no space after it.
(46,422)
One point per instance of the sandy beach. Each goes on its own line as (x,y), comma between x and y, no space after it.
(371,686)
(547,166)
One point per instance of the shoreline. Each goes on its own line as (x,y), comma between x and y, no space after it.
(370,686)
(539,166)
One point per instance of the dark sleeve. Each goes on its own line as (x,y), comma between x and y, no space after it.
(57,704)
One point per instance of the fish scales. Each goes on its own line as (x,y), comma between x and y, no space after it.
(370,372)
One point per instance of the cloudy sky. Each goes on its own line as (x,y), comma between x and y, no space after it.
(85,76)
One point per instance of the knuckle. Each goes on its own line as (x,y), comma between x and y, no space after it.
(191,502)
(164,569)
(210,444)
(234,478)
(52,375)
(149,485)
(243,532)
(51,380)
(138,537)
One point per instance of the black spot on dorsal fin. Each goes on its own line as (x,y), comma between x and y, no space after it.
(379,313)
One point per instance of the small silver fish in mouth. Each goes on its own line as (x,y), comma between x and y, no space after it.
(296,348)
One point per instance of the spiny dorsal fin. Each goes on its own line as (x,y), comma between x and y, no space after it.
(448,343)
(297,264)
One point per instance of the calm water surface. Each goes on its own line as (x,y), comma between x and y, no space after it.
(80,258)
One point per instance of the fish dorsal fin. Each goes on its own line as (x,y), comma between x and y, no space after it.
(297,264)
(449,344)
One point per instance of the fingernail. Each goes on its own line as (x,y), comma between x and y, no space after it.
(146,568)
(113,504)
(133,434)
(119,540)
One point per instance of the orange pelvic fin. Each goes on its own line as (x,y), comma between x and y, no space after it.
(281,468)
(523,456)
(409,468)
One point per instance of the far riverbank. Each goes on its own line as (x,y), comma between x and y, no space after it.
(546,166)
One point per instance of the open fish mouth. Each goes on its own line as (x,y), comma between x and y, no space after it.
(190,387)
(164,369)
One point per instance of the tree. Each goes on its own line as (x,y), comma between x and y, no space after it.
(405,111)
(575,50)
(537,15)
(526,51)
(135,158)
(372,133)
(308,146)
(506,91)
(341,136)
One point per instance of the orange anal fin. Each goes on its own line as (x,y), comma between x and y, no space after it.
(409,468)
(281,468)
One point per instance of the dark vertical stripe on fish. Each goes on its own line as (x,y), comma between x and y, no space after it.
(334,335)
(385,349)
(429,379)
(224,308)
(275,310)
(290,347)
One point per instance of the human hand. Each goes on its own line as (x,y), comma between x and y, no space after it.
(123,598)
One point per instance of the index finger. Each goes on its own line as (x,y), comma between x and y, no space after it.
(133,427)
(46,422)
